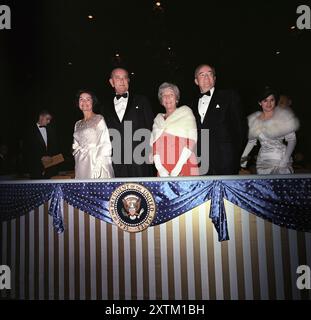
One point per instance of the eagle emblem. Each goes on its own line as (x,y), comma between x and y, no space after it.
(132,206)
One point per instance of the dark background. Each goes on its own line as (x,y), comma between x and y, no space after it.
(54,49)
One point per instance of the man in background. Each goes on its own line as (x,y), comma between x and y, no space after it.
(40,145)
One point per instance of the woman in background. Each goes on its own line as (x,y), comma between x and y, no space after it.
(271,126)
(91,142)
(174,136)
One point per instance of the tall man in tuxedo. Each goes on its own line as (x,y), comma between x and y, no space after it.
(129,118)
(41,143)
(220,112)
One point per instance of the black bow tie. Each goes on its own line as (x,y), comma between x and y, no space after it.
(208,93)
(124,95)
(42,126)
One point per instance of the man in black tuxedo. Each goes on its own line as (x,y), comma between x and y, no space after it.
(41,143)
(220,112)
(129,118)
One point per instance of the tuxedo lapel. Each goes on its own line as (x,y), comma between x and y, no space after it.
(210,109)
(195,110)
(112,110)
(39,137)
(129,105)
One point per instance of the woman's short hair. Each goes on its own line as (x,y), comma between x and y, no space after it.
(266,92)
(167,85)
(94,98)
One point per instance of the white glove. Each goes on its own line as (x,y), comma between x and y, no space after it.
(185,155)
(244,161)
(162,171)
(291,143)
(248,148)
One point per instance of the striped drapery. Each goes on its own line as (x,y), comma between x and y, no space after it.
(179,259)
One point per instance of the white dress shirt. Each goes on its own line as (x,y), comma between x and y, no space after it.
(120,106)
(43,134)
(204,103)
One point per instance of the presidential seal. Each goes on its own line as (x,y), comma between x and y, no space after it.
(132,207)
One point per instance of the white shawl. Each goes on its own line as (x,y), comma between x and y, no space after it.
(180,123)
(282,123)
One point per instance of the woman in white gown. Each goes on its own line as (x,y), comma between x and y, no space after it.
(91,142)
(271,126)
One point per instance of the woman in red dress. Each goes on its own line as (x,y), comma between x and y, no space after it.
(174,136)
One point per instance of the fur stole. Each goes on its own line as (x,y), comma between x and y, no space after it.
(282,123)
(180,123)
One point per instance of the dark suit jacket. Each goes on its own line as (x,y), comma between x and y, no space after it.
(227,127)
(35,149)
(139,113)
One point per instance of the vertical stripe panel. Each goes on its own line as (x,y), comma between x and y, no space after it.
(93,261)
(278,262)
(225,265)
(196,252)
(270,260)
(151,264)
(218,267)
(254,255)
(87,261)
(294,263)
(22,259)
(133,266)
(308,252)
(66,251)
(190,255)
(127,266)
(247,256)
(82,255)
(203,252)
(98,265)
(163,253)
(210,252)
(41,251)
(13,258)
(46,253)
(176,257)
(234,295)
(302,257)
(61,278)
(2,249)
(124,265)
(262,252)
(31,255)
(26,248)
(77,253)
(183,257)
(157,262)
(286,264)
(56,264)
(115,259)
(8,254)
(239,252)
(36,253)
(51,258)
(17,255)
(139,267)
(110,265)
(104,259)
(61,269)
(71,252)
(145,257)
(170,260)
